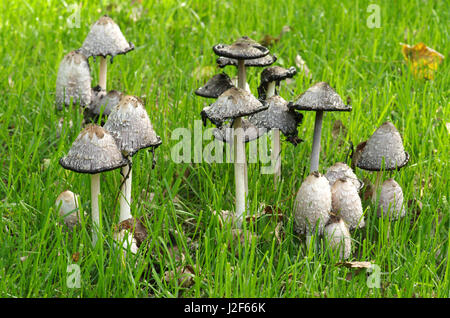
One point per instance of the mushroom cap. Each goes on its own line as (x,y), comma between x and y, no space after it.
(73,80)
(105,38)
(312,204)
(277,74)
(342,170)
(259,62)
(391,200)
(338,237)
(93,151)
(217,85)
(233,103)
(346,203)
(320,97)
(131,127)
(243,48)
(103,102)
(385,144)
(251,132)
(67,206)
(278,116)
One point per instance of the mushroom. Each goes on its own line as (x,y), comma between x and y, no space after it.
(342,170)
(338,237)
(383,151)
(233,104)
(132,129)
(73,81)
(312,205)
(346,203)
(94,151)
(278,116)
(251,132)
(102,103)
(319,98)
(217,85)
(67,207)
(105,38)
(391,200)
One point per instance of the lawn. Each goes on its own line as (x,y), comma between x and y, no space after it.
(173,56)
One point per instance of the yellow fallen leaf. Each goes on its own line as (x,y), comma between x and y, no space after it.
(423,60)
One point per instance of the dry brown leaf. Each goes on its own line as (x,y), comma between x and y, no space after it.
(137,227)
(76,257)
(185,276)
(423,60)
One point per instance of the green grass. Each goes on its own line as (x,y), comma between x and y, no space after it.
(173,41)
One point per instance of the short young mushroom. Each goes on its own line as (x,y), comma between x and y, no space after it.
(233,104)
(319,98)
(346,203)
(93,152)
(73,81)
(391,200)
(105,38)
(338,237)
(132,129)
(383,151)
(67,206)
(312,205)
(342,170)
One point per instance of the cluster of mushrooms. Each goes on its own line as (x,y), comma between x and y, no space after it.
(98,149)
(328,205)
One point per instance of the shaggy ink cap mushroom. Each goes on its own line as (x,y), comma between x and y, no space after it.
(102,102)
(320,97)
(342,170)
(346,203)
(94,151)
(312,205)
(243,48)
(338,237)
(131,127)
(215,87)
(73,81)
(278,116)
(384,146)
(274,74)
(251,132)
(105,38)
(67,206)
(391,200)
(233,103)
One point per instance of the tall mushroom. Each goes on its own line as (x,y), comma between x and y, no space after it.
(319,98)
(105,38)
(73,81)
(234,104)
(383,151)
(93,152)
(132,129)
(278,116)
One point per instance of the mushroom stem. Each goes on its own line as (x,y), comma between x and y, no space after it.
(239,169)
(270,89)
(125,198)
(102,74)
(316,142)
(242,74)
(377,185)
(276,158)
(95,192)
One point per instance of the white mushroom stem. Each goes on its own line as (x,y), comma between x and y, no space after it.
(377,186)
(125,197)
(239,170)
(102,74)
(276,147)
(316,142)
(95,192)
